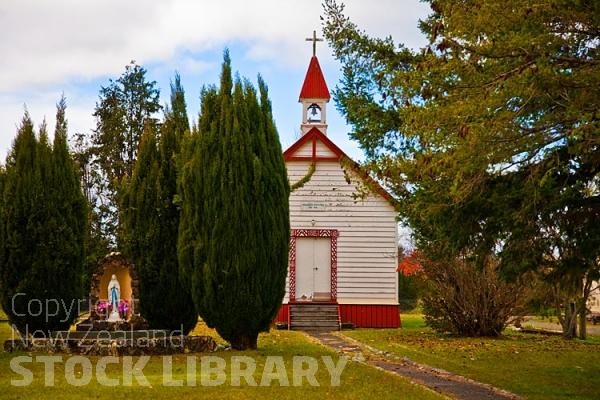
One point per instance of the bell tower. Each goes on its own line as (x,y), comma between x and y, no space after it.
(314,94)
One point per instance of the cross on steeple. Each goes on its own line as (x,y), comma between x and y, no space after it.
(314,39)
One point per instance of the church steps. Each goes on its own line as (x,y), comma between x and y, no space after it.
(314,317)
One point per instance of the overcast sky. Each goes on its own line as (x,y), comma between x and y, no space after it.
(74,47)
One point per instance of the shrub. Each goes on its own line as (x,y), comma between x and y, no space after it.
(468,300)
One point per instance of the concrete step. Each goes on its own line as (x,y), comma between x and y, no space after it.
(313,310)
(313,306)
(315,320)
(314,317)
(320,315)
(329,313)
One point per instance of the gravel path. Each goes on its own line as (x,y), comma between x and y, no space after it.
(446,383)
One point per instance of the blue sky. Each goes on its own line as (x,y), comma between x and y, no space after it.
(74,47)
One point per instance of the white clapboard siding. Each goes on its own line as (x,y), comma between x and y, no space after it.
(322,150)
(306,150)
(367,242)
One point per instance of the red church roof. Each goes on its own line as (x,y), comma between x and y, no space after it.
(314,86)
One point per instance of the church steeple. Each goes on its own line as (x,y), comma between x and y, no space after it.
(314,94)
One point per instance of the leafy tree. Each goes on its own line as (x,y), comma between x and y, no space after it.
(410,279)
(2,223)
(96,244)
(234,232)
(44,225)
(151,222)
(489,134)
(125,107)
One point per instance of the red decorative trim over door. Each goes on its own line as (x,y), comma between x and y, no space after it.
(296,233)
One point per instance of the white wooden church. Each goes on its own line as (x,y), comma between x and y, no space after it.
(343,250)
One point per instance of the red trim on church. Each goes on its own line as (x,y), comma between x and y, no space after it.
(371,315)
(315,135)
(361,315)
(296,233)
(283,315)
(314,86)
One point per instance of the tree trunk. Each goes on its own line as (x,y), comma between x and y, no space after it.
(570,325)
(582,325)
(587,290)
(244,342)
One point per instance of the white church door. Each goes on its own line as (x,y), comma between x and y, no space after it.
(313,269)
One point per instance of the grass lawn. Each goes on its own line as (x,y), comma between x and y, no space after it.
(357,381)
(533,366)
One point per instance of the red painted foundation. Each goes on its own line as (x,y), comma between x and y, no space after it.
(371,315)
(283,315)
(361,315)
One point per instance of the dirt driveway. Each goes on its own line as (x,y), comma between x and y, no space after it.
(554,325)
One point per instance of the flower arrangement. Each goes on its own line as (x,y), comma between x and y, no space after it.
(101,307)
(123,308)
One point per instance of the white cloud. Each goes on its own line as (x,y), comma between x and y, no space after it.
(42,106)
(52,41)
(396,18)
(51,46)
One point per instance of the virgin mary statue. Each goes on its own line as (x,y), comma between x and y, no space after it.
(114,293)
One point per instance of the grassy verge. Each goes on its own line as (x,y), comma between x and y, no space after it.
(357,381)
(534,366)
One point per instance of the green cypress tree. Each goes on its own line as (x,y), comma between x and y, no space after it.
(2,223)
(20,184)
(44,224)
(69,208)
(151,222)
(234,235)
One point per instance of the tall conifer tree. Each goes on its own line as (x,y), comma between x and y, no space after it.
(234,233)
(151,221)
(2,224)
(124,109)
(44,224)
